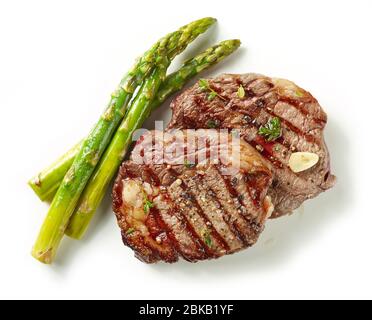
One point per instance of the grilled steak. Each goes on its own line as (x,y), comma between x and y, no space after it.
(190,203)
(264,98)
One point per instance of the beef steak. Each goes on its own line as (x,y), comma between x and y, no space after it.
(263,98)
(197,210)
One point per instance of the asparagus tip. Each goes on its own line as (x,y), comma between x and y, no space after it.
(235,43)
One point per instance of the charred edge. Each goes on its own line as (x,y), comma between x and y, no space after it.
(142,251)
(117,191)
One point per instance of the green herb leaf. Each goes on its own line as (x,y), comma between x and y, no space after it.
(271,130)
(207,238)
(130,231)
(212,124)
(241,92)
(189,164)
(299,93)
(212,95)
(147,205)
(203,84)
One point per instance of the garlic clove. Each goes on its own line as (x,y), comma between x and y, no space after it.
(132,194)
(301,161)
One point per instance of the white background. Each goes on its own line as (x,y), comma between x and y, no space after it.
(59,61)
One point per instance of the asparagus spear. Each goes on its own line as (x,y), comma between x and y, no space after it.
(47,182)
(74,182)
(192,67)
(114,155)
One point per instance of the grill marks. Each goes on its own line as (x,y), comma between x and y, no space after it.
(232,206)
(179,230)
(264,101)
(219,212)
(302,118)
(188,229)
(303,107)
(158,232)
(201,213)
(239,187)
(264,87)
(197,222)
(257,116)
(198,212)
(269,109)
(214,213)
(287,110)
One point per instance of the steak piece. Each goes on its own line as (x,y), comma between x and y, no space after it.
(302,122)
(191,204)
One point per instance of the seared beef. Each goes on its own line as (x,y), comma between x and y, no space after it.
(187,207)
(302,119)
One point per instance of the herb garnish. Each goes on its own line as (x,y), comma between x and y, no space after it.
(272,130)
(212,123)
(299,94)
(207,238)
(204,85)
(147,205)
(189,164)
(241,92)
(130,231)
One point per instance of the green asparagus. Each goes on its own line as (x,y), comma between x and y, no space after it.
(114,155)
(74,182)
(47,182)
(95,189)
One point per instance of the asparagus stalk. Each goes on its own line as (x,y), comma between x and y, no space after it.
(114,155)
(74,182)
(208,58)
(47,182)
